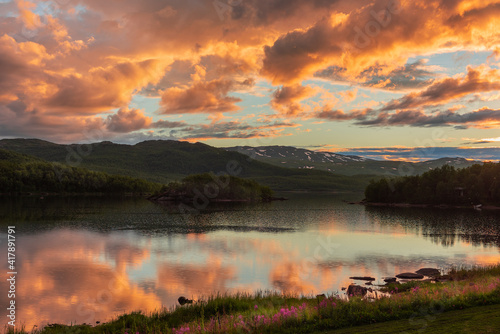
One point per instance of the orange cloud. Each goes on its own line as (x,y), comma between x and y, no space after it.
(286,99)
(126,120)
(209,96)
(444,90)
(29,19)
(379,34)
(104,88)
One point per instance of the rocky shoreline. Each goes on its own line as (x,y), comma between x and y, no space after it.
(422,275)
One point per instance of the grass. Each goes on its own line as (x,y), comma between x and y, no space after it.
(416,304)
(482,319)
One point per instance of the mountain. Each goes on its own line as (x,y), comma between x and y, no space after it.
(293,157)
(165,161)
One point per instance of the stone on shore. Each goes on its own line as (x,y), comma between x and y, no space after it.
(356,290)
(410,276)
(183,300)
(431,272)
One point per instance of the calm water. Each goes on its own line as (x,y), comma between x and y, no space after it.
(89,259)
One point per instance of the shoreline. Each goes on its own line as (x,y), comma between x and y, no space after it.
(435,206)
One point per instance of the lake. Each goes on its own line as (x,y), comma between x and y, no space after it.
(87,259)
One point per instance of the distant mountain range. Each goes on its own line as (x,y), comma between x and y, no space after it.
(281,168)
(166,161)
(292,157)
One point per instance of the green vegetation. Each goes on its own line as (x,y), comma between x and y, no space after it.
(21,174)
(164,161)
(215,188)
(445,185)
(419,304)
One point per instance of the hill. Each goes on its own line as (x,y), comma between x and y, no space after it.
(167,161)
(293,157)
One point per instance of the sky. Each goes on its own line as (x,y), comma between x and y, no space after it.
(387,78)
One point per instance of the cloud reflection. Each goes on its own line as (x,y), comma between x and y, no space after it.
(82,275)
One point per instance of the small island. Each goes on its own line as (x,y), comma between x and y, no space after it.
(208,186)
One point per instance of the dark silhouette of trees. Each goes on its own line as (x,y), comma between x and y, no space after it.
(445,185)
(216,188)
(39,176)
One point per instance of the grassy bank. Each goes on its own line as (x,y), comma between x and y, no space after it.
(480,319)
(413,303)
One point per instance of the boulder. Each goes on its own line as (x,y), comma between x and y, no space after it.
(390,279)
(183,300)
(431,272)
(410,276)
(356,290)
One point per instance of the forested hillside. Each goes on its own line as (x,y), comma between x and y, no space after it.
(22,173)
(445,185)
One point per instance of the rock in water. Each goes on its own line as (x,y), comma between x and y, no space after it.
(362,278)
(431,272)
(410,276)
(390,279)
(183,300)
(356,290)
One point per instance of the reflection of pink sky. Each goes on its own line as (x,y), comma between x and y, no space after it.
(68,281)
(60,281)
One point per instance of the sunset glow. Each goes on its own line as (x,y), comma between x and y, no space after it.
(350,74)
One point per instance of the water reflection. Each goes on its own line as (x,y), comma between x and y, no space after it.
(442,226)
(83,260)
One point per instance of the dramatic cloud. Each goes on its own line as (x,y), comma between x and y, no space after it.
(441,91)
(66,66)
(286,99)
(409,76)
(379,33)
(236,130)
(339,115)
(128,120)
(292,55)
(480,118)
(104,88)
(209,96)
